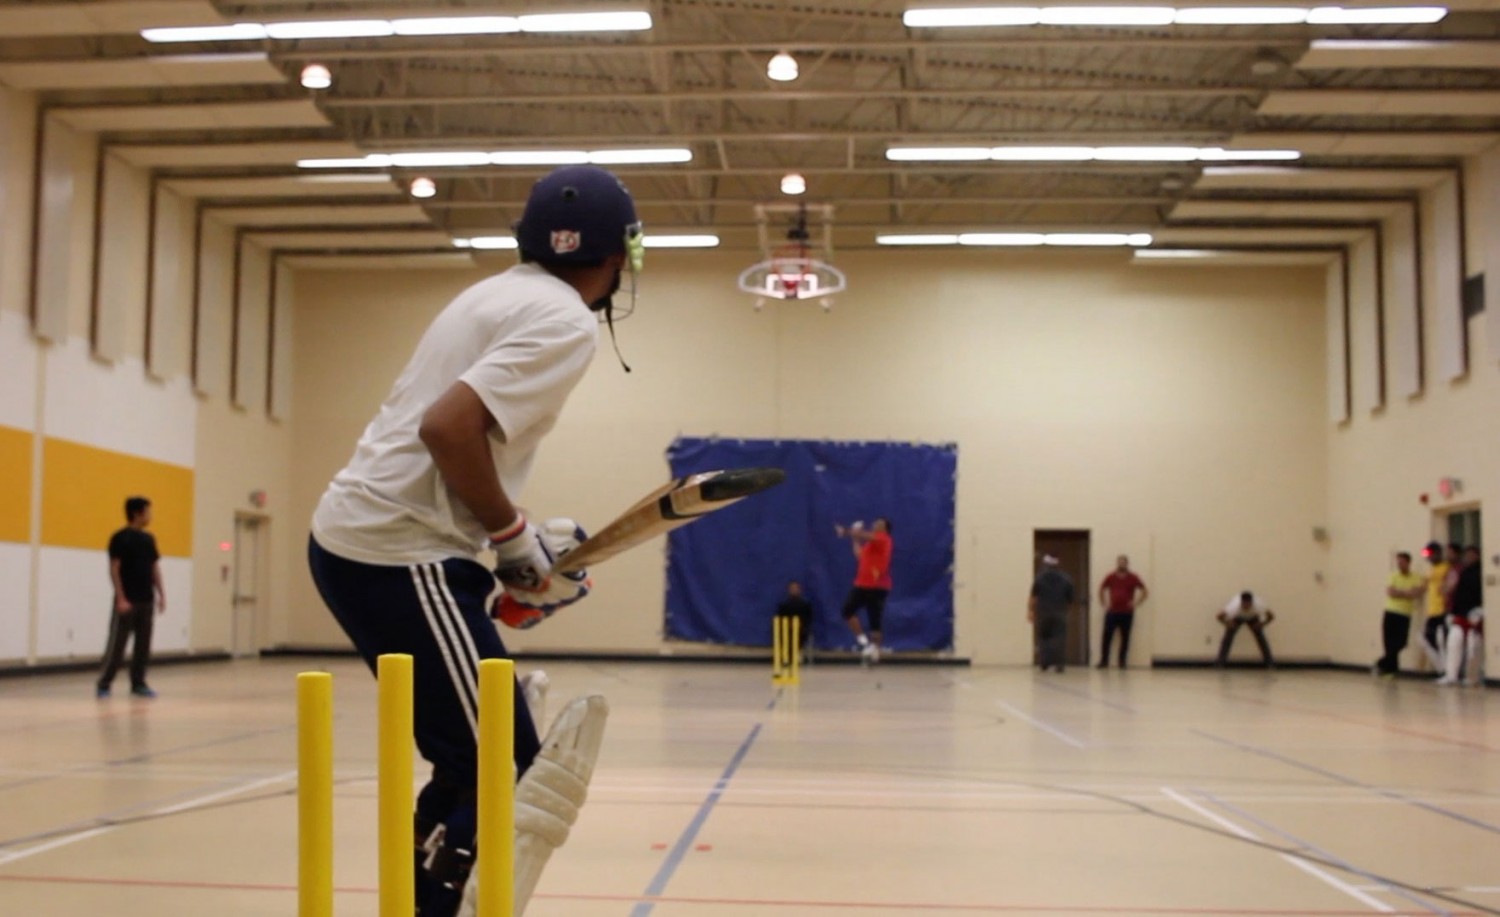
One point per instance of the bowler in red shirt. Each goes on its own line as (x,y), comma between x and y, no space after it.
(1118,595)
(872,582)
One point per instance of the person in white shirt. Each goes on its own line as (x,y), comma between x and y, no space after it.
(1245,610)
(433,481)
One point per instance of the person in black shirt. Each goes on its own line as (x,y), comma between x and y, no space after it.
(1465,645)
(135,570)
(1047,609)
(796,605)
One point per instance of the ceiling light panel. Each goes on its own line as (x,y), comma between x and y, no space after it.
(625,21)
(993,16)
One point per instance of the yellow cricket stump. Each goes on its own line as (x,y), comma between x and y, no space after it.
(786,656)
(315,794)
(497,789)
(398,889)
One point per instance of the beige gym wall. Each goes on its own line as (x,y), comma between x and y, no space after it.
(86,419)
(1382,462)
(1178,414)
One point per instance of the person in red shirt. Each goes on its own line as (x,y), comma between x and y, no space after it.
(872,583)
(1118,596)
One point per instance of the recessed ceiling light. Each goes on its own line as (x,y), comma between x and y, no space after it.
(792,183)
(423,187)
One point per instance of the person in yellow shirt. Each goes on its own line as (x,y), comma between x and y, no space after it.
(1438,587)
(1401,593)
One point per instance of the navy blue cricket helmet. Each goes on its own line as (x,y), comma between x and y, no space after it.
(579,215)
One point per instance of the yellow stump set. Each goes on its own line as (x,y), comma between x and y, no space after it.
(495,839)
(786,646)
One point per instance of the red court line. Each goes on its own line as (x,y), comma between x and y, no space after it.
(1478,746)
(760,902)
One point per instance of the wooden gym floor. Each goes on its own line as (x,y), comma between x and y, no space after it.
(918,791)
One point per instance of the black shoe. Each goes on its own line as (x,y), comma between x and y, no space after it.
(1102,665)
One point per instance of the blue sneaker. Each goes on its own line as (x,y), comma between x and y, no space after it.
(142,691)
(101,693)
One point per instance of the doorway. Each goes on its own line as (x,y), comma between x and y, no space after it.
(1071,548)
(1461,526)
(248,584)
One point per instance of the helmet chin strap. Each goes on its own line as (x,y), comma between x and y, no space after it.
(607,303)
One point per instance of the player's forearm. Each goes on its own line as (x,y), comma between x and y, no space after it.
(468,469)
(156,580)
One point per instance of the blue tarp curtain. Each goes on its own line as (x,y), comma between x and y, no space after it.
(727,571)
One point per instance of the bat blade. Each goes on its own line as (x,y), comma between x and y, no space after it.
(668,508)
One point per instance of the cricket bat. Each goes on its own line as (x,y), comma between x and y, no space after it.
(668,507)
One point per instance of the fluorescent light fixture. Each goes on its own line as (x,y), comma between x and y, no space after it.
(538,158)
(1007,239)
(423,186)
(1146,153)
(240,31)
(937,153)
(792,183)
(1183,254)
(983,16)
(457,25)
(487,243)
(365,179)
(1240,15)
(1389,15)
(1092,239)
(331,28)
(918,239)
(624,157)
(702,240)
(782,68)
(439,159)
(1084,154)
(971,17)
(1107,15)
(426,25)
(436,159)
(586,22)
(1215,154)
(1042,153)
(372,161)
(316,76)
(1019,239)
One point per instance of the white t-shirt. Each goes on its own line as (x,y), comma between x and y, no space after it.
(1233,608)
(521,340)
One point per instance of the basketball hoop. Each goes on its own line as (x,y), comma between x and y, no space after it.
(792,271)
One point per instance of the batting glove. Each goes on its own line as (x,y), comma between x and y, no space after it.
(524,560)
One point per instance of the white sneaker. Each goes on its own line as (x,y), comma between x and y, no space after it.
(1445,680)
(867,654)
(875,652)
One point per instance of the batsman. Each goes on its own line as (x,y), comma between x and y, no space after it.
(435,479)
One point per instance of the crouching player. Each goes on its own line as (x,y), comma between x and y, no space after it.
(431,483)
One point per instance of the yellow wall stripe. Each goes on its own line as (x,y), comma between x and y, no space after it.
(84,491)
(15,485)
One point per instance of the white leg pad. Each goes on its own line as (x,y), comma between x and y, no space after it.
(534,686)
(550,794)
(1455,652)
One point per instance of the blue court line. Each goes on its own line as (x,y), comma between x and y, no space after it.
(680,849)
(1331,858)
(1350,781)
